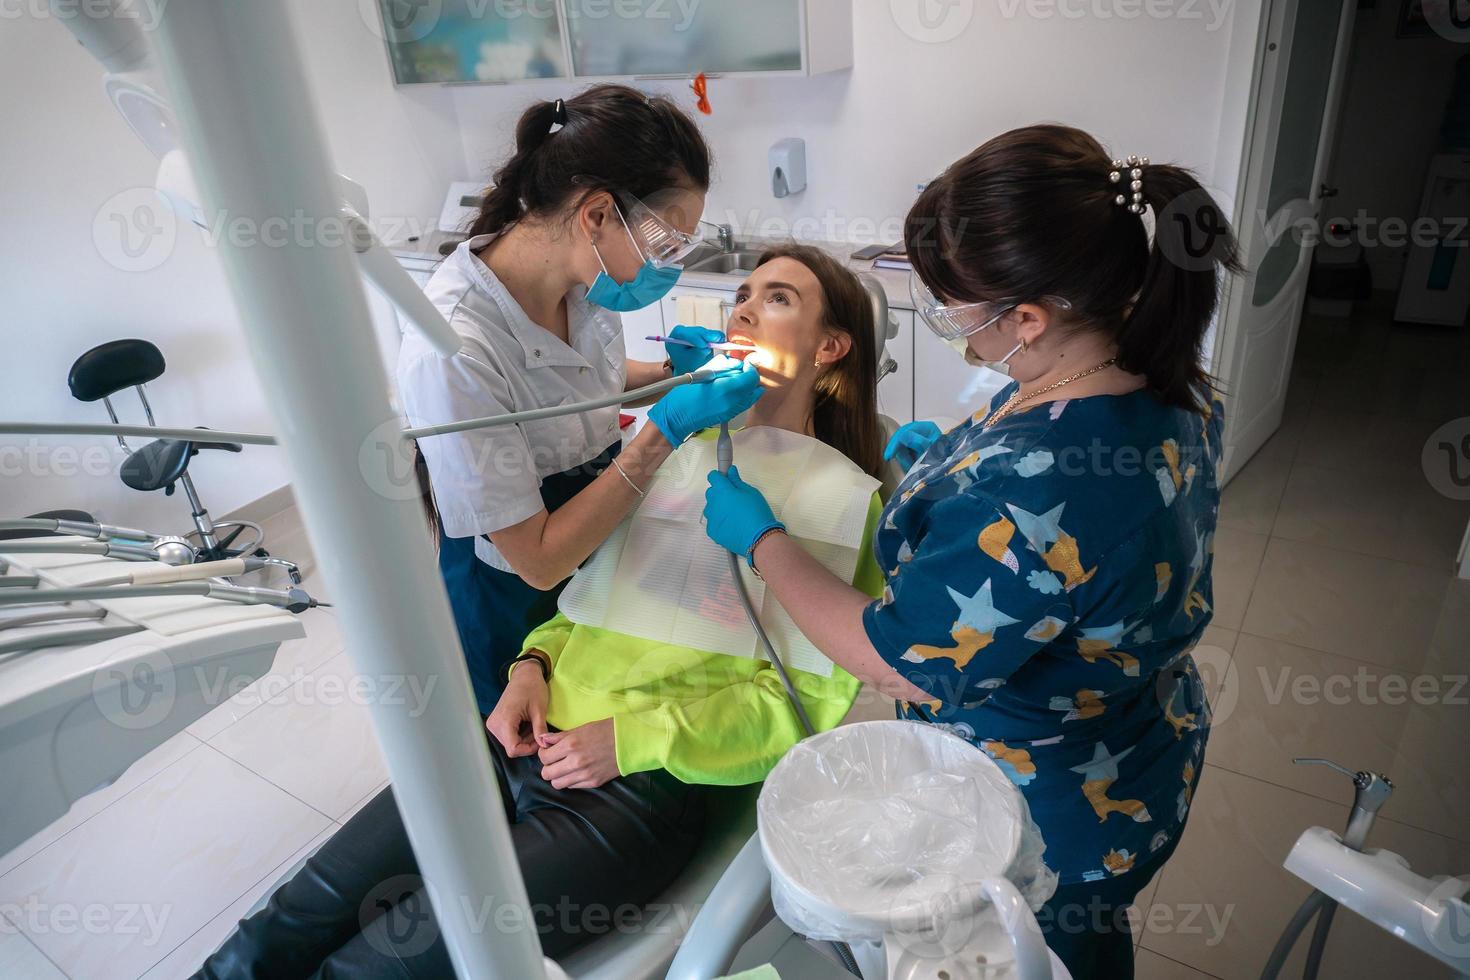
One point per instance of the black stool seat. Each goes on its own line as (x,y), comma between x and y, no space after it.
(113,366)
(160,463)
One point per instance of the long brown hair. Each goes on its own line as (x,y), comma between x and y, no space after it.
(1042,210)
(845,411)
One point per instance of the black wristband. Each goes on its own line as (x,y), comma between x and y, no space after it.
(540,661)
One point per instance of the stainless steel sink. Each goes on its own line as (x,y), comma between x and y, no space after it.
(727,263)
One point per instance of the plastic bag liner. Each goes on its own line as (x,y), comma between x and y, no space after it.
(887,825)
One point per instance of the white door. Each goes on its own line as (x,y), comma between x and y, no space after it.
(1299,85)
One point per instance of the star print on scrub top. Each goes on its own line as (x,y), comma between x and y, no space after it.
(1046,580)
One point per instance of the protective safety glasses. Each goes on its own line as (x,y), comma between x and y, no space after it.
(951,321)
(661,243)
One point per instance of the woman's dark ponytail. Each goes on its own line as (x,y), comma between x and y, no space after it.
(1034,213)
(607,138)
(1161,337)
(502,206)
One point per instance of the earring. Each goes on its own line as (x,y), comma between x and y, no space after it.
(818,362)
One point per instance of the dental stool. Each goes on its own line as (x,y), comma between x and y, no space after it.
(162,464)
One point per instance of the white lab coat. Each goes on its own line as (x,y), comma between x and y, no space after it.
(488,479)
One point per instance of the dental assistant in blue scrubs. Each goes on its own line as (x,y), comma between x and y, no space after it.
(589,217)
(1048,560)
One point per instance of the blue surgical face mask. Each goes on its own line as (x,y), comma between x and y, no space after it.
(651,284)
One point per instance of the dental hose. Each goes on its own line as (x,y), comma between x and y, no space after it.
(420,432)
(724,457)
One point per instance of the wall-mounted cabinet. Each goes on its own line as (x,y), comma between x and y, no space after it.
(500,41)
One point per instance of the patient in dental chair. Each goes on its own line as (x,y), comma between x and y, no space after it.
(614,727)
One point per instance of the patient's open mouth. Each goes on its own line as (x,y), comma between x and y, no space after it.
(741,355)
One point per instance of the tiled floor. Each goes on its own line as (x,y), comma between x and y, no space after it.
(1334,596)
(1334,570)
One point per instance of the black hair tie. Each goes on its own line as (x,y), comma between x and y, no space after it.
(558,114)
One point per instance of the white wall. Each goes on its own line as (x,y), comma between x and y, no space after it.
(1150,86)
(65,157)
(1396,93)
(1166,86)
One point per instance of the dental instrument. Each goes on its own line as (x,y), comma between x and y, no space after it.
(418,432)
(719,345)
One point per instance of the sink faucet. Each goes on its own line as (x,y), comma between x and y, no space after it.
(724,235)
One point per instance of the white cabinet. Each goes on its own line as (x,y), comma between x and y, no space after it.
(458,41)
(946,389)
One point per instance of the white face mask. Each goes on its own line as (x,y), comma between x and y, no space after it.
(961,346)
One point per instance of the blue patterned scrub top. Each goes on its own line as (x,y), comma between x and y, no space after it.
(1047,579)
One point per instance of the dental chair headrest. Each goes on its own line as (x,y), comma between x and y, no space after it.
(884,324)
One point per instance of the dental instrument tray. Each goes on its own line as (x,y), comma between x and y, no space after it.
(89,688)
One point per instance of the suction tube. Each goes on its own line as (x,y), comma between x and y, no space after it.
(724,456)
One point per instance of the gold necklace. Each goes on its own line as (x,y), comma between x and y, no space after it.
(1018,399)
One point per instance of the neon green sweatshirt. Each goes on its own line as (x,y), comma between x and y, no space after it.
(707,718)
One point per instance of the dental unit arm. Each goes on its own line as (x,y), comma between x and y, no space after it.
(1431,914)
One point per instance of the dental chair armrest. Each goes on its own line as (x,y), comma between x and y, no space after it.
(737,907)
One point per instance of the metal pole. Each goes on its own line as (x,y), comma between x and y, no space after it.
(249,125)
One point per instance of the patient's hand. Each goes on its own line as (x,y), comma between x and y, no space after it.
(519,718)
(584,757)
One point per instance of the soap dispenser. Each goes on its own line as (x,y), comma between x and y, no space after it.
(788,167)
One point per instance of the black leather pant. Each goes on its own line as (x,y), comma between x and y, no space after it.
(591,859)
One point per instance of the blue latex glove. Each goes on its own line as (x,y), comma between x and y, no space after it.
(687,409)
(910,442)
(687,359)
(735,513)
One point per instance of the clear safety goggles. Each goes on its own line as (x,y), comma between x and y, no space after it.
(951,321)
(660,242)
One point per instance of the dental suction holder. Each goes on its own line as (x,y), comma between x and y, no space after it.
(1430,913)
